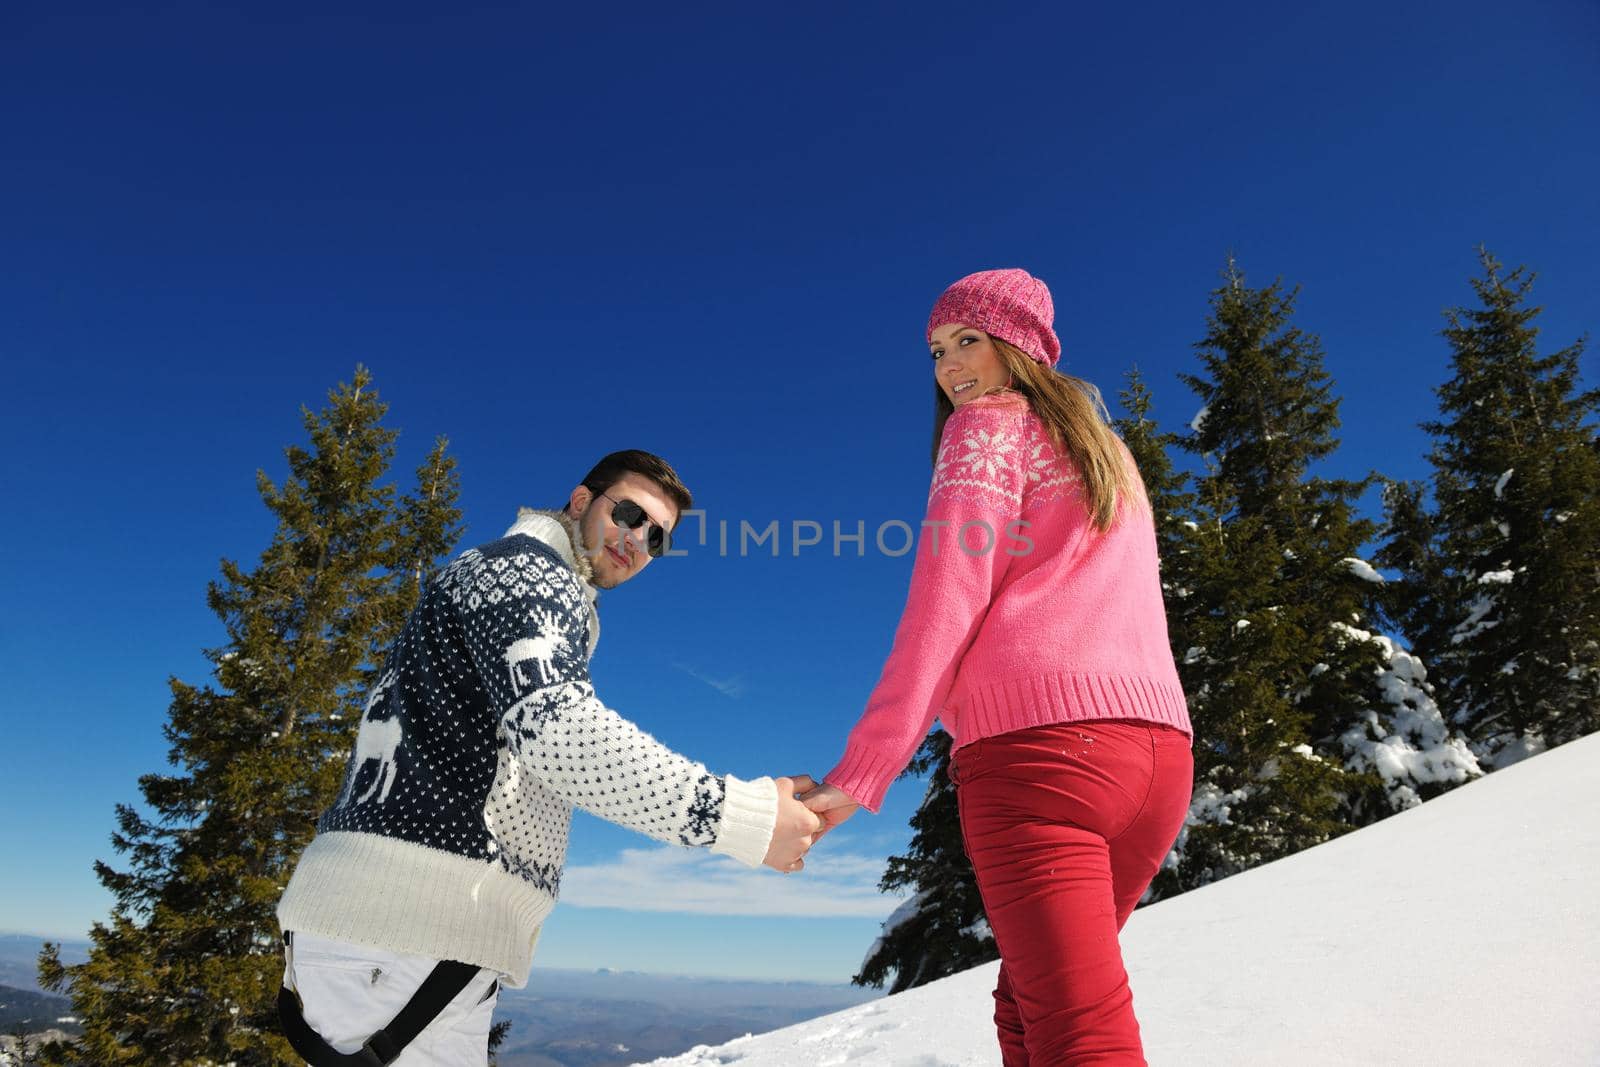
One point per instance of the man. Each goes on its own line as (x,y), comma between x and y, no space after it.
(431,873)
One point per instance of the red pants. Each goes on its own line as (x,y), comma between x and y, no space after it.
(1066,825)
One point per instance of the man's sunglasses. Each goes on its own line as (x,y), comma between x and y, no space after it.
(657,540)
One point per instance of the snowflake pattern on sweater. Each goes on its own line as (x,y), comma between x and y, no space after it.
(996,453)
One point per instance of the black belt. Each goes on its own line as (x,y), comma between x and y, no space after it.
(441,986)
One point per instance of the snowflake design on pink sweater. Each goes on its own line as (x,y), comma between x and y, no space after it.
(1048,475)
(985,454)
(982,462)
(1038,460)
(996,464)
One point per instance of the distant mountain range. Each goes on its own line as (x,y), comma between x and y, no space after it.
(608,1019)
(19,958)
(34,1012)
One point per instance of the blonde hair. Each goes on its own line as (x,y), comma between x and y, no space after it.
(1075,415)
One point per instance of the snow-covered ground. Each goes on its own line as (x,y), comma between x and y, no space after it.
(1463,931)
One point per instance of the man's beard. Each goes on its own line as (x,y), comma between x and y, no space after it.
(597,553)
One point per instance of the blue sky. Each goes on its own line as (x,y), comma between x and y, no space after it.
(710,232)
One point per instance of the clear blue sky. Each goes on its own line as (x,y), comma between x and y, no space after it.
(710,232)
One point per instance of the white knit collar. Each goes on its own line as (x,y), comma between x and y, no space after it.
(560,532)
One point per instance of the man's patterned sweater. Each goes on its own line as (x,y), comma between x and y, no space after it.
(481,735)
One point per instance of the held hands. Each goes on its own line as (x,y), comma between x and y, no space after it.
(796,827)
(832,804)
(806,811)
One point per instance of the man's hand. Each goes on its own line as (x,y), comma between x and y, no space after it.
(832,804)
(796,828)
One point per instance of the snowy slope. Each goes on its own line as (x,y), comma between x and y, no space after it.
(1464,931)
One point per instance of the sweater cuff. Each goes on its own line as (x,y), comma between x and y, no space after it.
(749,815)
(864,775)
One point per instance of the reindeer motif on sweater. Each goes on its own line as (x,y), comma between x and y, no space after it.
(378,739)
(539,650)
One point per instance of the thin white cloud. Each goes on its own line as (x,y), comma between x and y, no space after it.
(732,688)
(696,882)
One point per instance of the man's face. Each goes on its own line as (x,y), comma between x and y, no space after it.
(617,552)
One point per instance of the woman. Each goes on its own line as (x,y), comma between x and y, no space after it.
(1035,631)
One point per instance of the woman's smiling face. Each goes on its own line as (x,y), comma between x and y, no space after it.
(965,363)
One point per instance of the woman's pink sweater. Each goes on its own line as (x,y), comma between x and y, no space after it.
(1020,613)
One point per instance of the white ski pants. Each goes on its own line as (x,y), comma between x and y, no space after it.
(349,991)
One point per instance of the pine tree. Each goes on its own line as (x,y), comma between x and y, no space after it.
(1501,581)
(941,929)
(1306,722)
(1164,485)
(497,1038)
(23,1047)
(188,967)
(429,521)
(1409,546)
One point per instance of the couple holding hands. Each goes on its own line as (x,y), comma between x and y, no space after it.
(429,877)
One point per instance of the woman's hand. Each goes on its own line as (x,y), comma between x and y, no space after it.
(832,804)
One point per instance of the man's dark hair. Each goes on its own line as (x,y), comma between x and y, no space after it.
(612,468)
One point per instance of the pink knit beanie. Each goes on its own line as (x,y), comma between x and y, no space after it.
(1010,304)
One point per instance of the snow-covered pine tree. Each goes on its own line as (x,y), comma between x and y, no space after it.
(1500,585)
(187,969)
(1307,722)
(941,929)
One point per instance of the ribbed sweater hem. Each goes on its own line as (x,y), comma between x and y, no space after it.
(1066,696)
(405,897)
(866,772)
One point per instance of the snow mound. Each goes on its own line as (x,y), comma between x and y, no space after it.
(1463,931)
